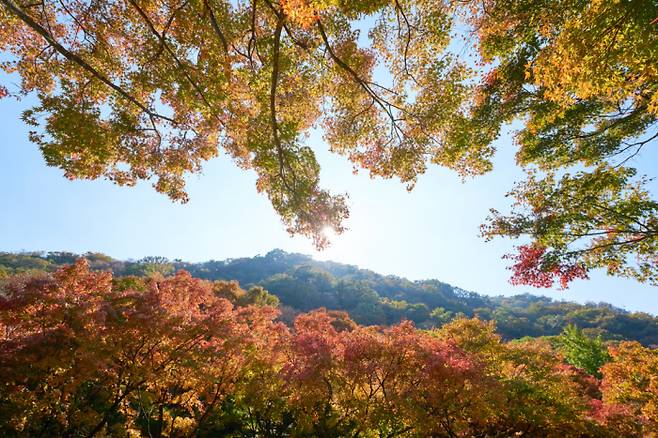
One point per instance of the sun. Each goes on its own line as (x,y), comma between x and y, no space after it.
(329,233)
(340,248)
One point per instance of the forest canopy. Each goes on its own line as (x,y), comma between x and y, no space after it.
(297,283)
(82,354)
(144,90)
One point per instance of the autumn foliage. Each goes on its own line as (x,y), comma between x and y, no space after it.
(531,267)
(143,90)
(82,354)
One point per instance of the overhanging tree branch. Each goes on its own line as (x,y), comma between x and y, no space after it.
(29,21)
(163,41)
(276,49)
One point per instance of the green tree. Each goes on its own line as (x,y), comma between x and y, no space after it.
(151,265)
(258,296)
(441,316)
(588,354)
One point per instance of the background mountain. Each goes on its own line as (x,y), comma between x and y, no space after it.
(302,284)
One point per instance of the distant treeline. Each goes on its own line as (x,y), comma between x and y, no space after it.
(302,284)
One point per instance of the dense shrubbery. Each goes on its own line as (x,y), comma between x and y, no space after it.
(83,354)
(303,284)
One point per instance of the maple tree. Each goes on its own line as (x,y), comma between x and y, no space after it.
(582,78)
(630,380)
(535,393)
(78,357)
(140,89)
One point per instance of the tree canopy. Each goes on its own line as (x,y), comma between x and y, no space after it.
(142,90)
(81,355)
(583,78)
(300,284)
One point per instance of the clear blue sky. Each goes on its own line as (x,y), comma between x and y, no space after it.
(431,232)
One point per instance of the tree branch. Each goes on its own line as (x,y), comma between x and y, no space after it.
(276,49)
(29,21)
(179,63)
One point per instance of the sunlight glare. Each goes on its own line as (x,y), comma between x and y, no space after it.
(329,233)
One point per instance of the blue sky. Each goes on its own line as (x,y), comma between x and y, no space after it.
(431,232)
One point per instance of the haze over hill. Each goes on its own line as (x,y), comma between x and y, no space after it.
(302,284)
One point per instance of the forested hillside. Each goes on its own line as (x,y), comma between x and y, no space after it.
(302,284)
